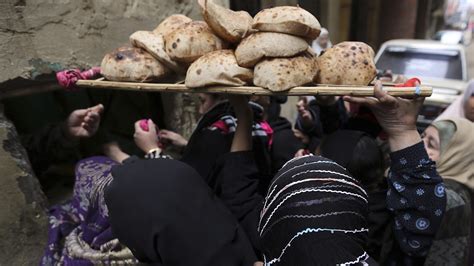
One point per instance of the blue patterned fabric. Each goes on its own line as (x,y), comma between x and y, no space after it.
(416,196)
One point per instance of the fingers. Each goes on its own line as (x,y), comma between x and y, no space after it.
(78,114)
(92,117)
(366,101)
(419,101)
(138,128)
(151,126)
(90,121)
(382,95)
(97,109)
(165,134)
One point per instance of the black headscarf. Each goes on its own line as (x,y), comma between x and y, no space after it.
(206,146)
(359,153)
(167,215)
(340,145)
(364,160)
(314,214)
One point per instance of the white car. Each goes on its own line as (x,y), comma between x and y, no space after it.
(442,66)
(453,36)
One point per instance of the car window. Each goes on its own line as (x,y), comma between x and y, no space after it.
(422,62)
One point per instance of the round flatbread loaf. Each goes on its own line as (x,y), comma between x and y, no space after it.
(268,44)
(154,44)
(217,68)
(171,24)
(231,26)
(280,74)
(131,64)
(347,63)
(191,41)
(288,19)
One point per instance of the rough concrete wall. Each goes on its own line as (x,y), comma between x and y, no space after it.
(37,36)
(23,222)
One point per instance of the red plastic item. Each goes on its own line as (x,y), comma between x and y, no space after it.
(409,83)
(144,125)
(68,78)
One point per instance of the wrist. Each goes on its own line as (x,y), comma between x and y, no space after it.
(67,134)
(404,139)
(148,148)
(154,150)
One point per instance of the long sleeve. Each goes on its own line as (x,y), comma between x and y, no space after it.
(49,145)
(416,196)
(237,181)
(204,148)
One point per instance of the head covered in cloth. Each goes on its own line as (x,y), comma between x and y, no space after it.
(314,214)
(167,215)
(456,150)
(359,153)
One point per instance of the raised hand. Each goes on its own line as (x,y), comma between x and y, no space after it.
(396,115)
(243,134)
(83,123)
(146,140)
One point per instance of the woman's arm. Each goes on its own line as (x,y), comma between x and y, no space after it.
(416,197)
(243,133)
(416,191)
(237,174)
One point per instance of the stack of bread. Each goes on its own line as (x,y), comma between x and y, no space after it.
(273,46)
(231,48)
(174,44)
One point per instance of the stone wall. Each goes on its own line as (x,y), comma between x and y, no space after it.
(23,221)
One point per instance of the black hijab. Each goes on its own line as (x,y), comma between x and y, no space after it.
(314,214)
(205,146)
(360,155)
(165,213)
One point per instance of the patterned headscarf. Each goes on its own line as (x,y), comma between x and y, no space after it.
(314,214)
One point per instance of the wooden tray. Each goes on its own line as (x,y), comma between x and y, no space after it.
(330,90)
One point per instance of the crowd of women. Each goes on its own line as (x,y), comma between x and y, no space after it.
(352,182)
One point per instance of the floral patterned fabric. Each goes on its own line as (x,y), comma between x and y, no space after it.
(79,230)
(417,198)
